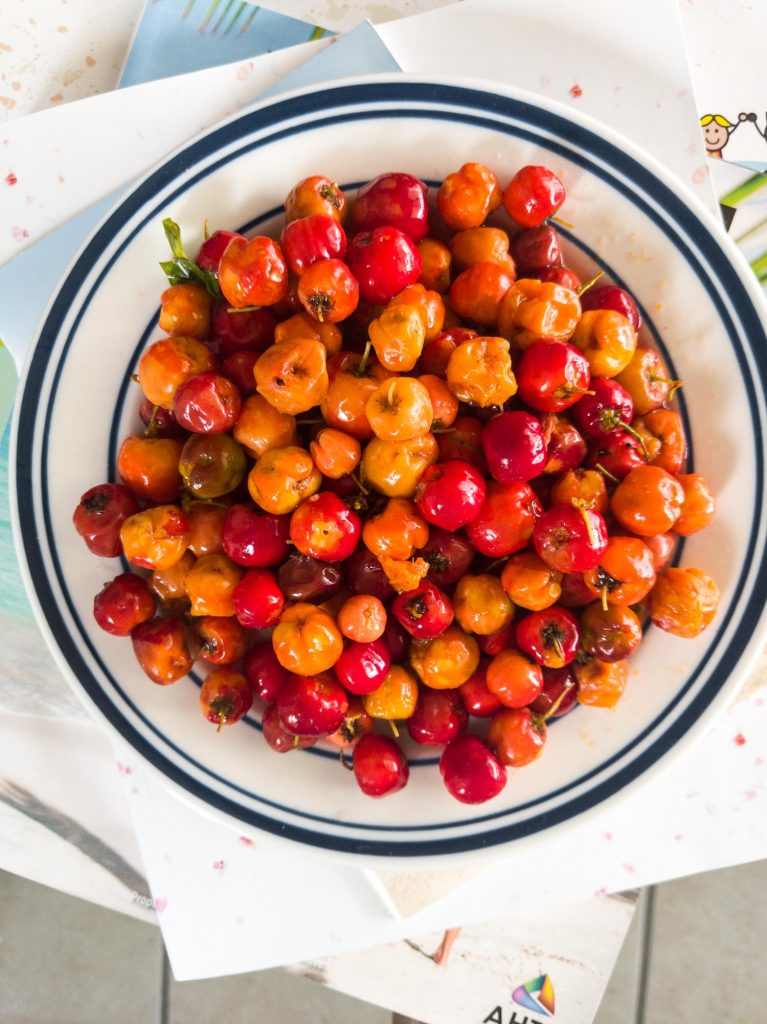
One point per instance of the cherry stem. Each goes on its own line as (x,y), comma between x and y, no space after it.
(310,423)
(589,284)
(603,593)
(206,229)
(556,643)
(151,427)
(593,539)
(563,223)
(635,433)
(394,728)
(343,760)
(557,703)
(242,309)
(673,385)
(296,741)
(607,473)
(359,483)
(496,563)
(365,356)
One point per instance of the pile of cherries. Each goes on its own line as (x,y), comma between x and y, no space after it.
(417,474)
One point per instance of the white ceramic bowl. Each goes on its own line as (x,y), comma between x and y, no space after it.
(631,219)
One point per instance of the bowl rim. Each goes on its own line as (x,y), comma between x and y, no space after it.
(441,85)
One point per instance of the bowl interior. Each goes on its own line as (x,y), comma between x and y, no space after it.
(78,403)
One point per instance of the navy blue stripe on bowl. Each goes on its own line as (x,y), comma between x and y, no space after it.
(406,99)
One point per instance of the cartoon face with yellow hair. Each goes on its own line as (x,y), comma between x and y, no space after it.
(716,132)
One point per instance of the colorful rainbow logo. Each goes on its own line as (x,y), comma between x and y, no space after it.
(537,995)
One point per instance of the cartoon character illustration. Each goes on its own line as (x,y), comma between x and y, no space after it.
(761,131)
(717,131)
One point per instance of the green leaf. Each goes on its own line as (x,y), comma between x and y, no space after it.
(182,270)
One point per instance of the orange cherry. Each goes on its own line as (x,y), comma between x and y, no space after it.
(399,409)
(436,261)
(533,309)
(210,584)
(468,196)
(335,453)
(282,478)
(306,640)
(155,538)
(394,468)
(166,364)
(186,310)
(479,371)
(260,427)
(447,661)
(292,375)
(149,466)
(315,195)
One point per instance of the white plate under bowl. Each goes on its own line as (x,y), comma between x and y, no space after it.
(700,304)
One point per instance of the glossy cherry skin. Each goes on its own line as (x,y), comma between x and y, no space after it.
(397,640)
(450,494)
(258,600)
(312,705)
(449,556)
(464,442)
(302,578)
(238,367)
(255,539)
(514,446)
(425,612)
(533,195)
(552,375)
(362,667)
(616,454)
(609,296)
(610,634)
(264,672)
(570,539)
(438,718)
(384,262)
(158,421)
(505,521)
(550,637)
(364,574)
(123,603)
(99,515)
(608,409)
(310,239)
(250,330)
(560,688)
(225,696)
(212,249)
(380,767)
(324,527)
(477,698)
(517,736)
(277,737)
(207,404)
(470,770)
(556,275)
(536,247)
(161,649)
(396,200)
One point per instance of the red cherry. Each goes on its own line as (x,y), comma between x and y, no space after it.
(560,691)
(536,248)
(470,770)
(575,593)
(312,705)
(324,527)
(609,296)
(570,539)
(450,494)
(425,612)
(463,441)
(514,446)
(550,637)
(364,574)
(501,640)
(533,195)
(362,667)
(616,455)
(449,556)
(255,539)
(438,717)
(552,375)
(239,368)
(505,521)
(207,403)
(517,736)
(436,353)
(557,275)
(225,696)
(565,448)
(514,678)
(384,262)
(212,249)
(160,646)
(356,724)
(610,408)
(99,515)
(380,767)
(161,422)
(396,200)
(123,603)
(477,698)
(398,640)
(258,600)
(277,738)
(250,329)
(310,239)
(264,672)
